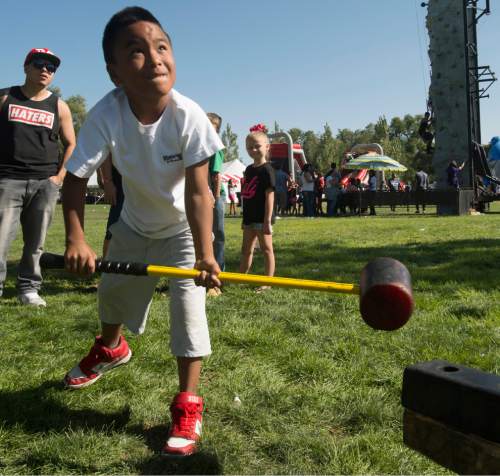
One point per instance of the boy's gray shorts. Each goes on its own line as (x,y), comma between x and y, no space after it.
(126,300)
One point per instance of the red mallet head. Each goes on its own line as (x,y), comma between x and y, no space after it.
(386,297)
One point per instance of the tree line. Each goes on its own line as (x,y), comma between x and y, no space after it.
(398,137)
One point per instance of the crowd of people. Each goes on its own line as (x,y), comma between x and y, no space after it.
(313,194)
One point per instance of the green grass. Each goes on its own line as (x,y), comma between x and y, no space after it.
(320,390)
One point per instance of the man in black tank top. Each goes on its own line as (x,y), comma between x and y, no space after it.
(32,120)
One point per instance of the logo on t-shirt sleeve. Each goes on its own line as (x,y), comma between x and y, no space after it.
(172,158)
(31,116)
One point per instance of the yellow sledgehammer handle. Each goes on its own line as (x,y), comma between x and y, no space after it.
(54,261)
(257,279)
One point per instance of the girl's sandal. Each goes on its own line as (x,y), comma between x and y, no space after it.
(262,289)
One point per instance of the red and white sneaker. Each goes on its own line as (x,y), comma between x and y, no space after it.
(185,429)
(100,359)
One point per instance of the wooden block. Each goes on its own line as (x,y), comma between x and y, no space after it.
(460,397)
(457,451)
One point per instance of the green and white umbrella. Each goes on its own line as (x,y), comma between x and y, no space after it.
(375,162)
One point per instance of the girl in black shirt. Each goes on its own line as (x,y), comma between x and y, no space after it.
(257,195)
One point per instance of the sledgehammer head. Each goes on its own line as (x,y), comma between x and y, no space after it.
(386,297)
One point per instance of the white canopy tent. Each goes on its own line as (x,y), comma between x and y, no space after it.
(234,171)
(92,180)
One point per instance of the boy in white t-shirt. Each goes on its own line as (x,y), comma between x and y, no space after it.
(160,142)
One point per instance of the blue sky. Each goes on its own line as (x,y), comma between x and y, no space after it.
(300,63)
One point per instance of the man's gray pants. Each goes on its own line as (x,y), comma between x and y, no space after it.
(218,231)
(29,203)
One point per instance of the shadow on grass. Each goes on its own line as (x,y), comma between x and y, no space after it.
(37,465)
(35,410)
(465,261)
(201,463)
(55,282)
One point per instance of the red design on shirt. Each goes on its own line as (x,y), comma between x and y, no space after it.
(31,116)
(250,188)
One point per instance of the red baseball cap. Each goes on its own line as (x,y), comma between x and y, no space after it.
(42,53)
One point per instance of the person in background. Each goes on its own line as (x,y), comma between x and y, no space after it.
(372,187)
(300,198)
(332,190)
(282,182)
(421,185)
(32,120)
(352,188)
(111,182)
(307,180)
(319,188)
(258,203)
(393,186)
(453,174)
(293,198)
(215,171)
(424,131)
(231,192)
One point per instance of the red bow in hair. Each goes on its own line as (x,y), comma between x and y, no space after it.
(259,128)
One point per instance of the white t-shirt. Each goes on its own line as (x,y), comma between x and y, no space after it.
(305,185)
(151,158)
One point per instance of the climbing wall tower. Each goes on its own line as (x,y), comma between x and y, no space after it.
(458,83)
(448,90)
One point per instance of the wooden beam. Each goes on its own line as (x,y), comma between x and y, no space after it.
(457,451)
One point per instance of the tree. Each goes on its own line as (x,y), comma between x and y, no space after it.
(229,139)
(381,130)
(78,108)
(296,134)
(398,137)
(347,138)
(310,145)
(411,124)
(329,149)
(397,128)
(77,105)
(55,90)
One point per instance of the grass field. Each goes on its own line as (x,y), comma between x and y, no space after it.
(320,390)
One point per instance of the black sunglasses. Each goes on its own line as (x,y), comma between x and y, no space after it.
(40,64)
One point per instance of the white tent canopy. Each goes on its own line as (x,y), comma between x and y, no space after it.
(92,180)
(233,170)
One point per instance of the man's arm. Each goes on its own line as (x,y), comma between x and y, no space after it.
(79,257)
(105,177)
(68,139)
(217,182)
(215,167)
(199,212)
